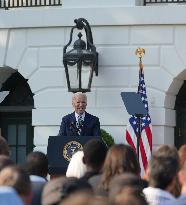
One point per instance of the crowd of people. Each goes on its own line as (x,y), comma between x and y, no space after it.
(96,175)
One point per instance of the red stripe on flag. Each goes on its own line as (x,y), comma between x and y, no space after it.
(130,141)
(149,137)
(143,154)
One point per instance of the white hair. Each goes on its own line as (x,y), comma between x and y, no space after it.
(75,95)
(76,167)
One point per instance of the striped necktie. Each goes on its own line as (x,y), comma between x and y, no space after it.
(80,120)
(79,124)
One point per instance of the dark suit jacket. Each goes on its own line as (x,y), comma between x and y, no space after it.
(90,127)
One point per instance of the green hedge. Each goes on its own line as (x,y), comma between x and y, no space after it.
(107,138)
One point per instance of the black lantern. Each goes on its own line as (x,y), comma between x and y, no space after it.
(82,60)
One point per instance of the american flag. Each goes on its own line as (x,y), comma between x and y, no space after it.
(145,145)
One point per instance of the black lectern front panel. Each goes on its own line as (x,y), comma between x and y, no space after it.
(60,150)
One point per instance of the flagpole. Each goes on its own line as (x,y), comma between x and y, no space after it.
(140,52)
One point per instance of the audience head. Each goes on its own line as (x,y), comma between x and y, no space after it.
(76,167)
(167,151)
(37,164)
(182,171)
(16,177)
(84,199)
(79,102)
(94,154)
(122,181)
(130,195)
(4,148)
(52,191)
(164,151)
(77,199)
(119,159)
(162,170)
(73,185)
(59,189)
(182,155)
(171,151)
(5,161)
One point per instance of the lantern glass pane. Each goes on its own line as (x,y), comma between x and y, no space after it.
(86,74)
(73,76)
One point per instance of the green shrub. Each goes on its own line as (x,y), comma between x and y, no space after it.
(107,138)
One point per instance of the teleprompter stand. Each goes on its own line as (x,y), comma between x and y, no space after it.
(135,106)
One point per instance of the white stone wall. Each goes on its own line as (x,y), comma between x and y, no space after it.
(31,41)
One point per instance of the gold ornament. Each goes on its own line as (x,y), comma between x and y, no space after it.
(70,148)
(140,52)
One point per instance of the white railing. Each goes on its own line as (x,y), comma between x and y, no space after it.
(28,3)
(146,2)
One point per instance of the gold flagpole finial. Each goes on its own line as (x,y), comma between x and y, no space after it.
(140,52)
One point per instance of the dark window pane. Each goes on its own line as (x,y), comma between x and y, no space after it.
(21,155)
(13,154)
(22,134)
(11,134)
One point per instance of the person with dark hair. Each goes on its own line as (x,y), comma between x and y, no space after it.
(37,167)
(181,200)
(130,196)
(61,188)
(79,122)
(169,151)
(18,178)
(5,161)
(122,181)
(162,172)
(84,199)
(73,185)
(120,159)
(4,148)
(51,193)
(95,151)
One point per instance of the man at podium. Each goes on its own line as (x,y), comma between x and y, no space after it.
(79,123)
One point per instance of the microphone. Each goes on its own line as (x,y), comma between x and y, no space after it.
(73,128)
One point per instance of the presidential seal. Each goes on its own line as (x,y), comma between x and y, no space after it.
(70,148)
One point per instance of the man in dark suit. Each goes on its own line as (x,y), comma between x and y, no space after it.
(80,122)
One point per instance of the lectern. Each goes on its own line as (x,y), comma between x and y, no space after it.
(60,150)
